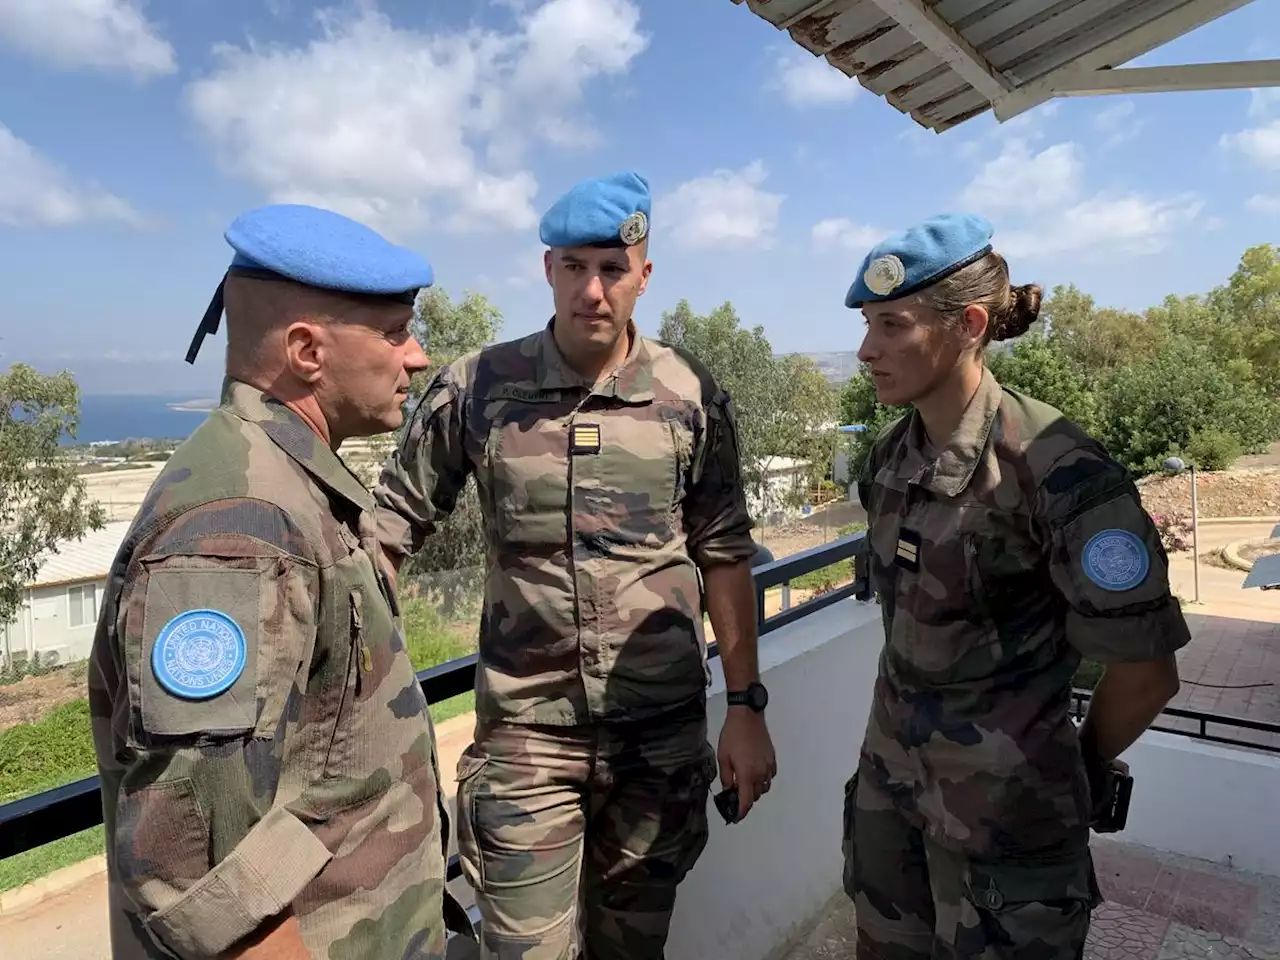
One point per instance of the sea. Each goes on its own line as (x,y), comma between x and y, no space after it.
(116,417)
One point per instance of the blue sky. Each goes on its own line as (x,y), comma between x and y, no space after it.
(132,133)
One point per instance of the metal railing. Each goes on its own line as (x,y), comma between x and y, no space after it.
(53,814)
(1202,721)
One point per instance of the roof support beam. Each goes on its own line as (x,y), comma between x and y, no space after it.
(1190,16)
(923,23)
(1198,76)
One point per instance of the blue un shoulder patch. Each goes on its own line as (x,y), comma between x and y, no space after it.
(199,654)
(1116,560)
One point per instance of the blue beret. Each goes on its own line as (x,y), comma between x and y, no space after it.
(919,256)
(318,248)
(325,249)
(606,211)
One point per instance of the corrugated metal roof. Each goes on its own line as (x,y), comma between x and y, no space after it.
(86,559)
(1021,42)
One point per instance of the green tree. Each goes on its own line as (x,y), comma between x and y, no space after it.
(1097,338)
(1246,312)
(43,502)
(858,404)
(1183,400)
(742,362)
(449,569)
(1039,367)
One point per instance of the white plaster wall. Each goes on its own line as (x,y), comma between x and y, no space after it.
(1204,800)
(763,881)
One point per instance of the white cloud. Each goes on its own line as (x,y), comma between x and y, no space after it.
(806,80)
(1017,179)
(399,126)
(528,268)
(1259,144)
(1117,123)
(1264,203)
(843,234)
(1043,197)
(727,207)
(34,191)
(1103,225)
(99,34)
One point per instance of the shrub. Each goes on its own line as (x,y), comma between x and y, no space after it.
(1213,449)
(1175,531)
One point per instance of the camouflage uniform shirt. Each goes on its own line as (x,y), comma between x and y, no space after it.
(979,557)
(598,503)
(311,783)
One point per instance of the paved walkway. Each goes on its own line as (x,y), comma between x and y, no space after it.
(1158,907)
(1232,665)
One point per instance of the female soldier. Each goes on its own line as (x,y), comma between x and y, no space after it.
(1005,544)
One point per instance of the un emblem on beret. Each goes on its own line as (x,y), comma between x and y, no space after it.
(199,654)
(1116,560)
(634,228)
(884,275)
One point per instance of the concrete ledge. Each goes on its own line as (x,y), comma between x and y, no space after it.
(60,881)
(1227,521)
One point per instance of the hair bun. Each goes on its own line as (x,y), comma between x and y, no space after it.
(1024,309)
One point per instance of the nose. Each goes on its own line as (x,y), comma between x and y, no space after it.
(593,292)
(415,358)
(866,350)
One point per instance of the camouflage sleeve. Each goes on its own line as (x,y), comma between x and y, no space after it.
(422,478)
(1107,561)
(717,524)
(217,625)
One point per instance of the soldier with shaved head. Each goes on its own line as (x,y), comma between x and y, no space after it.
(609,477)
(269,775)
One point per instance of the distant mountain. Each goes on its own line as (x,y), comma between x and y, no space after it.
(836,366)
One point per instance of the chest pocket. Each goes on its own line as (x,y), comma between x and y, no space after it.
(930,569)
(526,470)
(381,711)
(627,493)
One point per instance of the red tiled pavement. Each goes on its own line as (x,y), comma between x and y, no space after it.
(1232,667)
(1148,897)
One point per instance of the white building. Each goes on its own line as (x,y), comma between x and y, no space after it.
(60,606)
(783,476)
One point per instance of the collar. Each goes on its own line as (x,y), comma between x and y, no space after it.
(291,434)
(955,465)
(631,381)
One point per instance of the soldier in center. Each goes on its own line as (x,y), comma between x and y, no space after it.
(609,478)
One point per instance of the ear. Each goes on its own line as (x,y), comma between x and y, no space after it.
(974,322)
(641,252)
(546,265)
(304,350)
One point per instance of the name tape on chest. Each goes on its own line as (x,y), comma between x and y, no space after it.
(584,438)
(907,554)
(199,654)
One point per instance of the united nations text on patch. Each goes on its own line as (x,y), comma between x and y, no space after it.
(199,654)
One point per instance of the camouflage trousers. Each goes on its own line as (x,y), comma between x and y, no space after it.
(575,838)
(917,900)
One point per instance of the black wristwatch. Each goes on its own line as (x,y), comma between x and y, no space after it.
(755,696)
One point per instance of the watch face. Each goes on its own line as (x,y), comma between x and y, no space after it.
(757,696)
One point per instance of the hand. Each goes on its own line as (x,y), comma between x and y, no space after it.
(388,567)
(746,756)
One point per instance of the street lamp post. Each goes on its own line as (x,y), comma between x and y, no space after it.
(1176,465)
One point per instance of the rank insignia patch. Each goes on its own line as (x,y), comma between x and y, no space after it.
(908,552)
(584,438)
